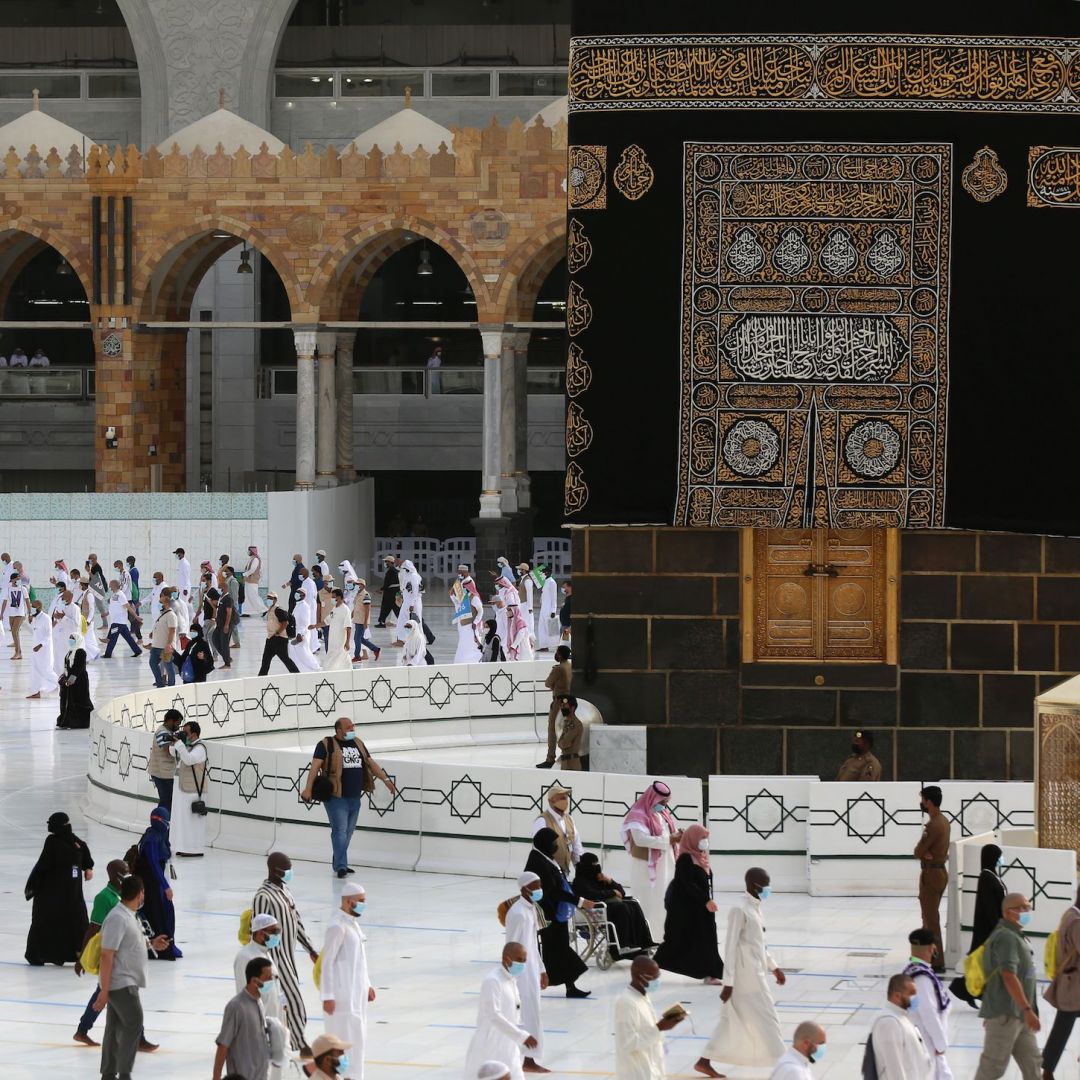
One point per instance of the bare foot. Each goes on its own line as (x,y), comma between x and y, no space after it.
(30,697)
(530,1066)
(702,1066)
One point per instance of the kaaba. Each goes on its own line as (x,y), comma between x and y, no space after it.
(820,265)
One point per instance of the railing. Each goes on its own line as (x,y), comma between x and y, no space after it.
(39,384)
(439,559)
(317,82)
(56,84)
(418,381)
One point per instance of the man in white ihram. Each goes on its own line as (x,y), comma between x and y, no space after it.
(749,1029)
(345,984)
(639,1036)
(899,1052)
(807,1047)
(499,1033)
(523,925)
(338,656)
(183,580)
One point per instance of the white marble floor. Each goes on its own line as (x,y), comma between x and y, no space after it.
(430,939)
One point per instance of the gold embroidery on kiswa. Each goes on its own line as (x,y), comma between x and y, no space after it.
(587,177)
(855,71)
(575,490)
(633,176)
(578,372)
(578,247)
(1053,176)
(984,179)
(815,327)
(578,310)
(579,432)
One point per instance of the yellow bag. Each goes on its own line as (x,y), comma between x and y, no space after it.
(244,933)
(316,973)
(1050,954)
(974,972)
(91,955)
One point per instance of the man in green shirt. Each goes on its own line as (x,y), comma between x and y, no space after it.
(1008,1001)
(104,902)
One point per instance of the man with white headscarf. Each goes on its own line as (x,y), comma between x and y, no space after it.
(523,922)
(252,575)
(414,650)
(345,984)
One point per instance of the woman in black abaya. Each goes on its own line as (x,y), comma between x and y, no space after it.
(75,703)
(564,966)
(59,920)
(623,912)
(989,894)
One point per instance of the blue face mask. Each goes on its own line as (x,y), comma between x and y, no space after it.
(349,735)
(286,877)
(659,808)
(765,893)
(537,895)
(651,985)
(273,941)
(266,988)
(818,1054)
(913,1004)
(517,967)
(343,1064)
(1025,917)
(358,907)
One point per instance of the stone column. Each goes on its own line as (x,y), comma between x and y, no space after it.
(508,424)
(491,489)
(327,455)
(521,412)
(305,409)
(343,366)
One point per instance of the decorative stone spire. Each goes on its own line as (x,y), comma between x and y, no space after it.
(37,99)
(221,97)
(408,97)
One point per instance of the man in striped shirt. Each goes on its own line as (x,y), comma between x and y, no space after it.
(273,898)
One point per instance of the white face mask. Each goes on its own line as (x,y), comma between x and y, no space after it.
(703,845)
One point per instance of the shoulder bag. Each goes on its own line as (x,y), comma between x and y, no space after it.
(198,806)
(322,787)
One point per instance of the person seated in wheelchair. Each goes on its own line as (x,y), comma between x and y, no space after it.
(631,928)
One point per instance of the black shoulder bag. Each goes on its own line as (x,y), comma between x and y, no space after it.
(322,788)
(198,806)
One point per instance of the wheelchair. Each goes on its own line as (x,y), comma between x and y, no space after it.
(594,938)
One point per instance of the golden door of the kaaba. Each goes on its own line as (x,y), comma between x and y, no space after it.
(819,595)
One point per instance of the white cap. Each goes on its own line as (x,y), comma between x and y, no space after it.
(527,878)
(352,889)
(492,1070)
(263,922)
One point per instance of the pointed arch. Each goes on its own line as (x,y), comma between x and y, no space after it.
(78,257)
(526,270)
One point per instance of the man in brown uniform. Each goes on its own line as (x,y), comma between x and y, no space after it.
(932,851)
(862,765)
(558,682)
(573,731)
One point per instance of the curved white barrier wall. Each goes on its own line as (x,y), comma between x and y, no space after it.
(454,818)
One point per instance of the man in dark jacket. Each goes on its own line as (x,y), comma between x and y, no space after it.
(389,591)
(295,580)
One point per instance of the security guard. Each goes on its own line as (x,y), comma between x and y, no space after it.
(932,851)
(573,731)
(862,765)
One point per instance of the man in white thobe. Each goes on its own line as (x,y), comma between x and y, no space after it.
(265,936)
(899,1052)
(252,575)
(526,586)
(183,582)
(807,1046)
(42,676)
(299,647)
(748,1032)
(499,1032)
(311,595)
(523,926)
(930,1009)
(339,641)
(639,1036)
(546,638)
(345,985)
(67,623)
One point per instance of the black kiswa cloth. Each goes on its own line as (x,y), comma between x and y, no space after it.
(1000,429)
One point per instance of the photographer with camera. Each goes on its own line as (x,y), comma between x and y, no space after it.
(162,764)
(188,831)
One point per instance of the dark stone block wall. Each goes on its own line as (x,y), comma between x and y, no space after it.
(988,620)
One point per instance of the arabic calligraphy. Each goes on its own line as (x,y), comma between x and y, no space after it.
(984,179)
(578,371)
(814,300)
(887,71)
(587,177)
(1053,176)
(578,247)
(575,490)
(633,176)
(578,310)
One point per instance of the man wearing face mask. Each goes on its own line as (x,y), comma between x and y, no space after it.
(862,765)
(242,1040)
(1008,1002)
(571,736)
(639,1036)
(162,763)
(346,986)
(523,920)
(930,1008)
(807,1048)
(557,818)
(273,898)
(331,1058)
(748,1032)
(265,938)
(895,1043)
(932,851)
(499,1032)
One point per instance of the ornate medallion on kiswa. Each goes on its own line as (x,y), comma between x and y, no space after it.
(984,179)
(633,176)
(814,374)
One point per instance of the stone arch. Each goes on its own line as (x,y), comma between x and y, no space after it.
(164,281)
(260,56)
(343,273)
(153,70)
(526,270)
(20,251)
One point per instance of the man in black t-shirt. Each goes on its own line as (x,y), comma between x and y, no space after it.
(345,768)
(224,617)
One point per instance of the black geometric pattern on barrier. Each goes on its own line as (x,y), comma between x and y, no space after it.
(826,816)
(1015,819)
(1034,889)
(729,814)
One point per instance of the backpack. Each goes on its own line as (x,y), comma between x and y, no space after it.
(1050,954)
(316,972)
(91,955)
(975,979)
(244,933)
(869,1062)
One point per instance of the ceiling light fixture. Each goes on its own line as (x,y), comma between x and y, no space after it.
(424,267)
(245,264)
